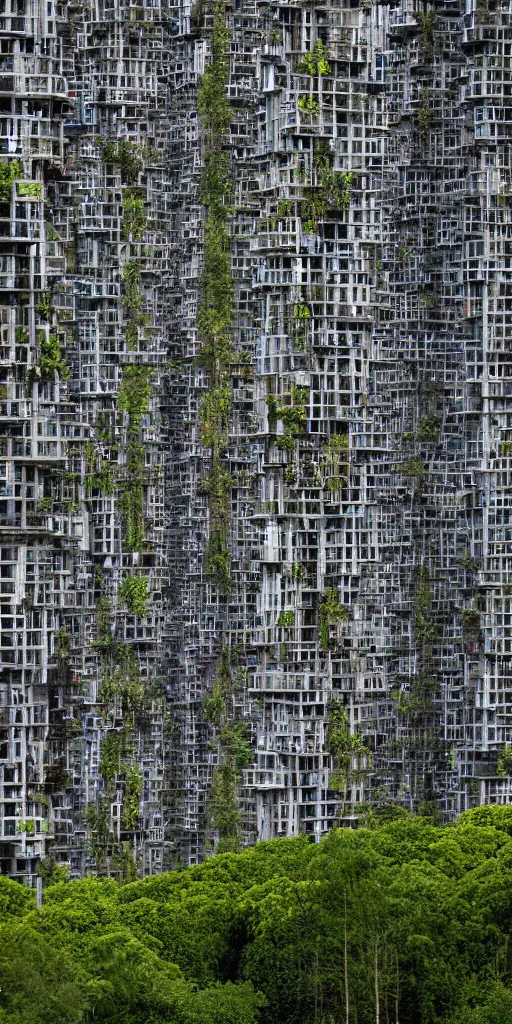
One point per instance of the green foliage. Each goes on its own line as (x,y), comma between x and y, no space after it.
(29,190)
(342,745)
(235,738)
(424,910)
(216,299)
(214,706)
(133,791)
(52,873)
(285,442)
(214,413)
(44,308)
(131,488)
(51,360)
(8,173)
(129,157)
(111,746)
(130,502)
(308,105)
(133,591)
(470,563)
(315,62)
(292,413)
(330,613)
(428,428)
(286,619)
(134,217)
(134,393)
(470,619)
(414,469)
(62,645)
(105,479)
(120,675)
(226,817)
(426,25)
(217,562)
(301,311)
(425,629)
(133,303)
(337,186)
(505,761)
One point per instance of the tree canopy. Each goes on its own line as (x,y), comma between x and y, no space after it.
(396,922)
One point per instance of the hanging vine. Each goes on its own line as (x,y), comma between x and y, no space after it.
(216,299)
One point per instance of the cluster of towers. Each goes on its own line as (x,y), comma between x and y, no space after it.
(255,432)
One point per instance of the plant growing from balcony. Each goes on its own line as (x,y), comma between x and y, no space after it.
(342,745)
(505,761)
(133,592)
(330,613)
(134,217)
(337,186)
(8,173)
(286,619)
(428,428)
(315,62)
(225,815)
(235,738)
(470,563)
(45,308)
(425,628)
(51,360)
(29,190)
(216,293)
(133,302)
(110,756)
(132,795)
(217,561)
(134,393)
(129,157)
(308,105)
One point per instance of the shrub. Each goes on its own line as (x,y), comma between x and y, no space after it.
(134,593)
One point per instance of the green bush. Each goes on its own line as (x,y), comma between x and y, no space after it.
(133,591)
(134,217)
(8,173)
(315,62)
(134,393)
(330,612)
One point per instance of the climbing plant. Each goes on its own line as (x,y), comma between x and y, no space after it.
(216,295)
(330,613)
(133,591)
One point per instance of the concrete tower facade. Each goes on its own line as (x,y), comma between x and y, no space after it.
(255,443)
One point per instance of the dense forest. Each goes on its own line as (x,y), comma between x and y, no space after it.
(398,921)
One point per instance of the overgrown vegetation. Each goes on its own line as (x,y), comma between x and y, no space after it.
(330,613)
(216,303)
(133,398)
(8,174)
(51,360)
(425,627)
(133,304)
(315,62)
(129,157)
(133,592)
(134,217)
(345,748)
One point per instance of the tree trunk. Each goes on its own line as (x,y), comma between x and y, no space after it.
(377,1005)
(397,996)
(345,966)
